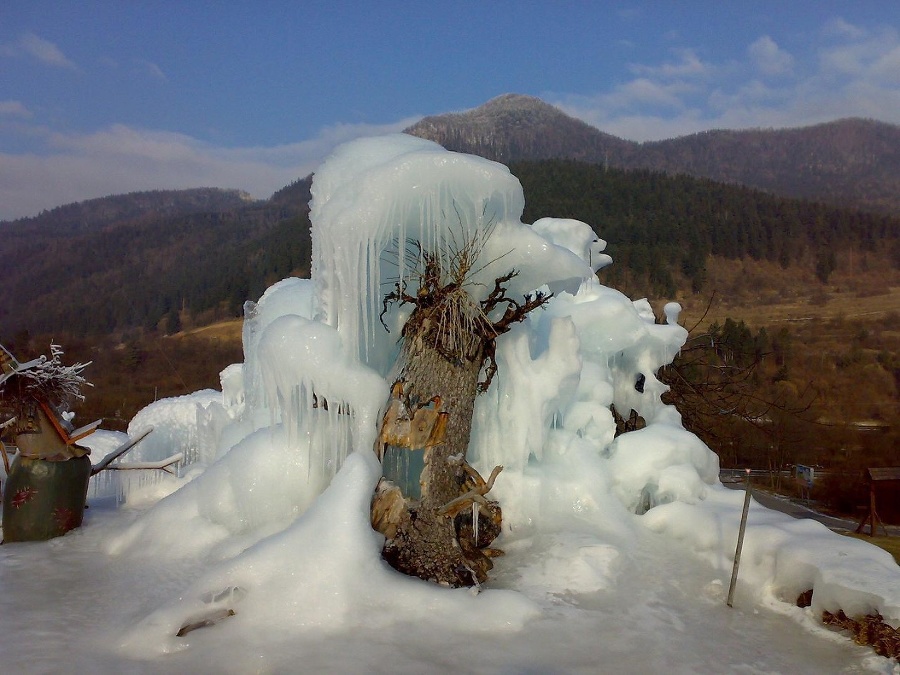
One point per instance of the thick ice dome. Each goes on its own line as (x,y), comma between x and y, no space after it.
(375,197)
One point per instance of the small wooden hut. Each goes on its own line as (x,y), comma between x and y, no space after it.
(884,498)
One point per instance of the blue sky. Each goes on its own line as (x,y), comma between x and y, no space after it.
(104,97)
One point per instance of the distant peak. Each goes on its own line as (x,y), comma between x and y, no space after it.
(514,100)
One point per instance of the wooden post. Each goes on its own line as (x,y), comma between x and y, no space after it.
(873,512)
(740,542)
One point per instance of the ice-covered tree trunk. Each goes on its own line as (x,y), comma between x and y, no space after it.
(426,542)
(443,533)
(427,373)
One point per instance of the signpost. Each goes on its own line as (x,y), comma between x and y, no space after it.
(740,542)
(804,476)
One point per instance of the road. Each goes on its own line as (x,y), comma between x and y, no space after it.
(796,510)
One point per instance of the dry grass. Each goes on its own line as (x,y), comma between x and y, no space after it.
(229,331)
(763,294)
(836,305)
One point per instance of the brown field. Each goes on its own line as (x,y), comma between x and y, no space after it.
(229,330)
(833,305)
(763,294)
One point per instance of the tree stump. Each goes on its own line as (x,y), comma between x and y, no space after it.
(442,530)
(427,534)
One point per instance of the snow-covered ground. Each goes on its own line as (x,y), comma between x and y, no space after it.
(618,548)
(67,607)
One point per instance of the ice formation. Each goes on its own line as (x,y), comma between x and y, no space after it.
(275,490)
(375,196)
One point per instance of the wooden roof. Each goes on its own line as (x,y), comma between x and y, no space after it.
(887,473)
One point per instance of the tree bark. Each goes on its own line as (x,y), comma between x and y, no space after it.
(442,533)
(425,540)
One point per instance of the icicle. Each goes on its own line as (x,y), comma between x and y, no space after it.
(475,522)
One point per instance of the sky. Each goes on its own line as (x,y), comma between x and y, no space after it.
(104,97)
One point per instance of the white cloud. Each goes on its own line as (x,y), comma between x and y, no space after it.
(14,109)
(645,91)
(42,50)
(843,71)
(151,69)
(687,65)
(769,58)
(122,159)
(887,66)
(849,59)
(650,127)
(871,57)
(841,28)
(752,94)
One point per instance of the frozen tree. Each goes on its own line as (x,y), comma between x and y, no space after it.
(442,532)
(415,243)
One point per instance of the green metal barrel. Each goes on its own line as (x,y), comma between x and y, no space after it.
(43,499)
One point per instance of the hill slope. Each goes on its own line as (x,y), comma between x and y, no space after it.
(118,275)
(127,261)
(95,213)
(849,162)
(514,127)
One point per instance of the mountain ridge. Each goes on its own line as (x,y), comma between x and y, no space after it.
(100,211)
(144,259)
(478,131)
(850,162)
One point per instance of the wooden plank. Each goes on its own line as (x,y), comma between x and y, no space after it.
(886,473)
(51,415)
(84,431)
(77,435)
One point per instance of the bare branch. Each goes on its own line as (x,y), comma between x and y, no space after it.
(476,494)
(118,452)
(163,464)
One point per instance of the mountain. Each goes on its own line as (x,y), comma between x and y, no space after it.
(146,260)
(851,162)
(127,261)
(96,213)
(514,127)
(156,265)
(848,162)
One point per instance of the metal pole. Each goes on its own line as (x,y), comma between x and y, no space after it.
(740,542)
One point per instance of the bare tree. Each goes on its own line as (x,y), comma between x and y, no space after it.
(432,505)
(724,395)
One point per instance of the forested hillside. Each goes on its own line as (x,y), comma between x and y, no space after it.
(660,227)
(96,213)
(145,270)
(149,272)
(849,162)
(845,162)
